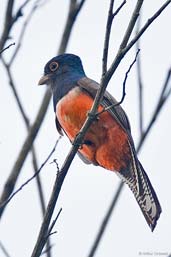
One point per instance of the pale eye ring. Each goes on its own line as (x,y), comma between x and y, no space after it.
(53,66)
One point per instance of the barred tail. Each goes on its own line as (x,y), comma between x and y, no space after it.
(147,198)
(139,183)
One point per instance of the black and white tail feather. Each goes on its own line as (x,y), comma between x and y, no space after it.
(137,180)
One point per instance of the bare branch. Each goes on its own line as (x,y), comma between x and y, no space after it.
(140,82)
(4,250)
(131,24)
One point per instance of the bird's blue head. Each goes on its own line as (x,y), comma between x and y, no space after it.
(62,71)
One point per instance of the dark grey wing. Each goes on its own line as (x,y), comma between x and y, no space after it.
(58,126)
(117,112)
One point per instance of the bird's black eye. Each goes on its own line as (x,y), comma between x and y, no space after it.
(53,66)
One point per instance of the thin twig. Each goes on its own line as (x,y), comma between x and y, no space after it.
(47,249)
(126,76)
(165,91)
(123,87)
(12,44)
(53,223)
(30,179)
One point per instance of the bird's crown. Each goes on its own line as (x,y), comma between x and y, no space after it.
(65,62)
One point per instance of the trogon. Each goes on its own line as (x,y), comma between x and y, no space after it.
(108,142)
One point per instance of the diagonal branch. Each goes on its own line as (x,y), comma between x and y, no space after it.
(131,24)
(4,250)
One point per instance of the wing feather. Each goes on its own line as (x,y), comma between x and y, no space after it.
(91,87)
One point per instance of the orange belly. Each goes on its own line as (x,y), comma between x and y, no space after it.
(106,143)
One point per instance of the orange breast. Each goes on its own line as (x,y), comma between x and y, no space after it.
(106,143)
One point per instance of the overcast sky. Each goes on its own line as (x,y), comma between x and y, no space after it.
(87,190)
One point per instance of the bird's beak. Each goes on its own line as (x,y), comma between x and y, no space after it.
(45,79)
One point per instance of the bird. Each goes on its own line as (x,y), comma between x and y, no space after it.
(108,142)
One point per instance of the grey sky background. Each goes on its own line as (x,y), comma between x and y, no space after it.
(87,190)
